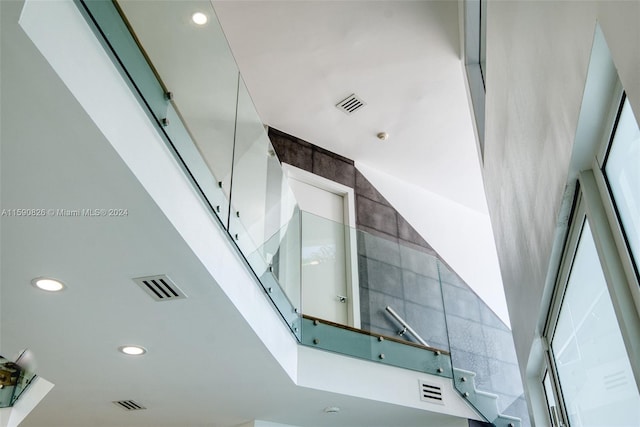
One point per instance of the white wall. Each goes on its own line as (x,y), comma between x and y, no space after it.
(322,370)
(462,236)
(537,59)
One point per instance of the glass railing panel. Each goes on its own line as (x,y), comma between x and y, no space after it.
(9,374)
(264,219)
(120,42)
(26,377)
(423,295)
(482,352)
(353,342)
(195,165)
(276,264)
(283,250)
(326,279)
(390,282)
(336,338)
(368,296)
(196,66)
(201,126)
(262,202)
(418,308)
(14,380)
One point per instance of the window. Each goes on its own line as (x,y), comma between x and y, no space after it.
(475,24)
(551,400)
(591,370)
(592,375)
(622,174)
(594,371)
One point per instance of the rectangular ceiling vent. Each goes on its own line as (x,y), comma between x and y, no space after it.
(351,104)
(430,393)
(160,288)
(129,405)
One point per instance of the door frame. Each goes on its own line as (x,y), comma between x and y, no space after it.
(351,238)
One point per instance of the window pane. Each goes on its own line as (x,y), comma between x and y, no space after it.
(551,401)
(623,174)
(594,371)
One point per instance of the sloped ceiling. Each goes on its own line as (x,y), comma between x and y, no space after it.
(402,58)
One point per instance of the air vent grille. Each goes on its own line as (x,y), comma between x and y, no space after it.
(129,405)
(430,393)
(351,104)
(160,288)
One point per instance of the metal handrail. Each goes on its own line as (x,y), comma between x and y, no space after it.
(406,326)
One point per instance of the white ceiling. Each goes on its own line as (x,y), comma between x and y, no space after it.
(300,58)
(204,361)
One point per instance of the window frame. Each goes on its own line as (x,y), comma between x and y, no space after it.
(592,201)
(577,221)
(549,370)
(632,268)
(588,208)
(475,19)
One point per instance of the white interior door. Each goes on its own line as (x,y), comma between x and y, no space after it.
(324,259)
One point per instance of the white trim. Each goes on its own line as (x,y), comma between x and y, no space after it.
(618,235)
(609,125)
(534,390)
(347,193)
(608,201)
(328,185)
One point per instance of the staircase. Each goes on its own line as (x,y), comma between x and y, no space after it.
(483,402)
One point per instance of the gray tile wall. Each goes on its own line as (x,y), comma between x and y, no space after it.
(314,159)
(374,213)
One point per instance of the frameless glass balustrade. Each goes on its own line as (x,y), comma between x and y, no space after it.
(200,78)
(482,344)
(14,380)
(370,297)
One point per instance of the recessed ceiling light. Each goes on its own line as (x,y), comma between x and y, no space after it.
(332,410)
(132,350)
(47,284)
(199,18)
